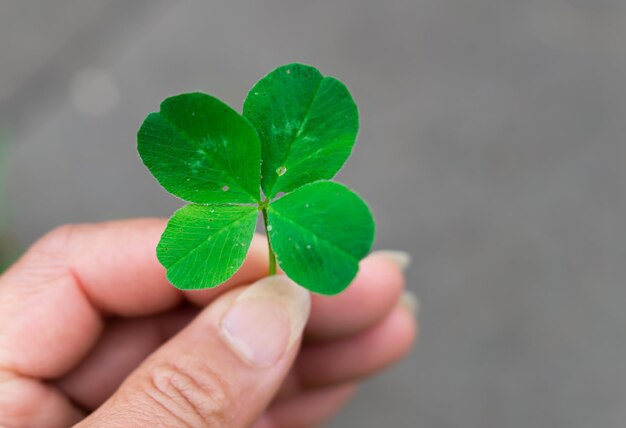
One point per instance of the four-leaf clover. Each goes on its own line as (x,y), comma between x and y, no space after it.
(296,132)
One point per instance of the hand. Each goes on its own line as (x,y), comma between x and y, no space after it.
(92,333)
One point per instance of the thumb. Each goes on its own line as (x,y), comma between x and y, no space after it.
(221,370)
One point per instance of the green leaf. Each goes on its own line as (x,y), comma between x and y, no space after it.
(201,150)
(6,257)
(297,130)
(319,233)
(307,124)
(204,245)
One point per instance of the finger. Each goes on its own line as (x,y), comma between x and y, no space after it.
(357,357)
(51,408)
(309,409)
(367,301)
(320,363)
(221,370)
(371,296)
(123,346)
(58,291)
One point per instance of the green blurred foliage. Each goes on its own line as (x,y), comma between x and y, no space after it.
(5,251)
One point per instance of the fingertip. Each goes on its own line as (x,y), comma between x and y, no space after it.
(405,329)
(310,408)
(357,357)
(372,295)
(401,259)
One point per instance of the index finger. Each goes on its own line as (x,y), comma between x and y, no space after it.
(54,298)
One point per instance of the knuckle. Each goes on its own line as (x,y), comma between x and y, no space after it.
(52,247)
(192,393)
(58,237)
(46,260)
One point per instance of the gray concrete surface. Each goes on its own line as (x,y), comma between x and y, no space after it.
(492,148)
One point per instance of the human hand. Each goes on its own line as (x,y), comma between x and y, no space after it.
(92,333)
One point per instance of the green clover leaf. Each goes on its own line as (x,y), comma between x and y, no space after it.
(319,233)
(201,150)
(307,124)
(297,130)
(203,245)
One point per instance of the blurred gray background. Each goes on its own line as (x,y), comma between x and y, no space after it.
(492,147)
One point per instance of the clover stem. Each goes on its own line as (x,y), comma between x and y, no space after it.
(269,245)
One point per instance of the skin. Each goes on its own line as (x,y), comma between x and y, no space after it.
(87,314)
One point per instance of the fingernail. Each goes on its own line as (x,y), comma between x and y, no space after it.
(410,302)
(266,320)
(401,259)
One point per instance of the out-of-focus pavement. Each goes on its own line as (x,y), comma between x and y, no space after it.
(492,147)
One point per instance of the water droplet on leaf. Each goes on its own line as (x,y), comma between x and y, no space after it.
(225,188)
(281,170)
(269,228)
